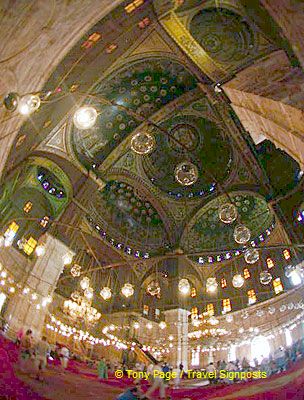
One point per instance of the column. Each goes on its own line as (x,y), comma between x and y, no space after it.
(179,318)
(22,312)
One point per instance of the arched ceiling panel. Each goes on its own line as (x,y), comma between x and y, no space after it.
(207,232)
(143,87)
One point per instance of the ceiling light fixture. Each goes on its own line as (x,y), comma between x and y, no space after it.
(228,213)
(143,143)
(85,117)
(186,173)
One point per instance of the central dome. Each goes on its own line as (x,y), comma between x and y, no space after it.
(193,139)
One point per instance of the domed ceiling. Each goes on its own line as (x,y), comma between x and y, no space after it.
(193,139)
(162,74)
(143,87)
(206,231)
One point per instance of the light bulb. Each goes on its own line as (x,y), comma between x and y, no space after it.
(228,213)
(241,234)
(89,292)
(136,325)
(186,173)
(3,274)
(84,283)
(211,285)
(28,104)
(162,325)
(85,117)
(238,281)
(106,293)
(184,286)
(251,256)
(149,325)
(127,290)
(40,250)
(34,296)
(67,259)
(143,143)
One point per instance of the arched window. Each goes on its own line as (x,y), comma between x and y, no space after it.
(259,348)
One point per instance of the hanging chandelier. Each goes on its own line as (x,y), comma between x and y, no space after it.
(80,309)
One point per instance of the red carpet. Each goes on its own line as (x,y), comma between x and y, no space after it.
(81,382)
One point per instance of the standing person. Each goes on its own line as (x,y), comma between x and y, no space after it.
(245,364)
(42,349)
(20,335)
(26,347)
(64,356)
(158,383)
(102,369)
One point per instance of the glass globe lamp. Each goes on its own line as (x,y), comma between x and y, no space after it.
(106,293)
(228,213)
(211,285)
(186,173)
(75,296)
(149,325)
(67,259)
(184,286)
(10,101)
(89,293)
(238,281)
(76,270)
(162,325)
(241,234)
(85,117)
(40,250)
(28,104)
(127,290)
(265,277)
(143,143)
(153,288)
(251,256)
(84,283)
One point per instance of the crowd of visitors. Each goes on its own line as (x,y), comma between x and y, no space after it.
(277,362)
(34,354)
